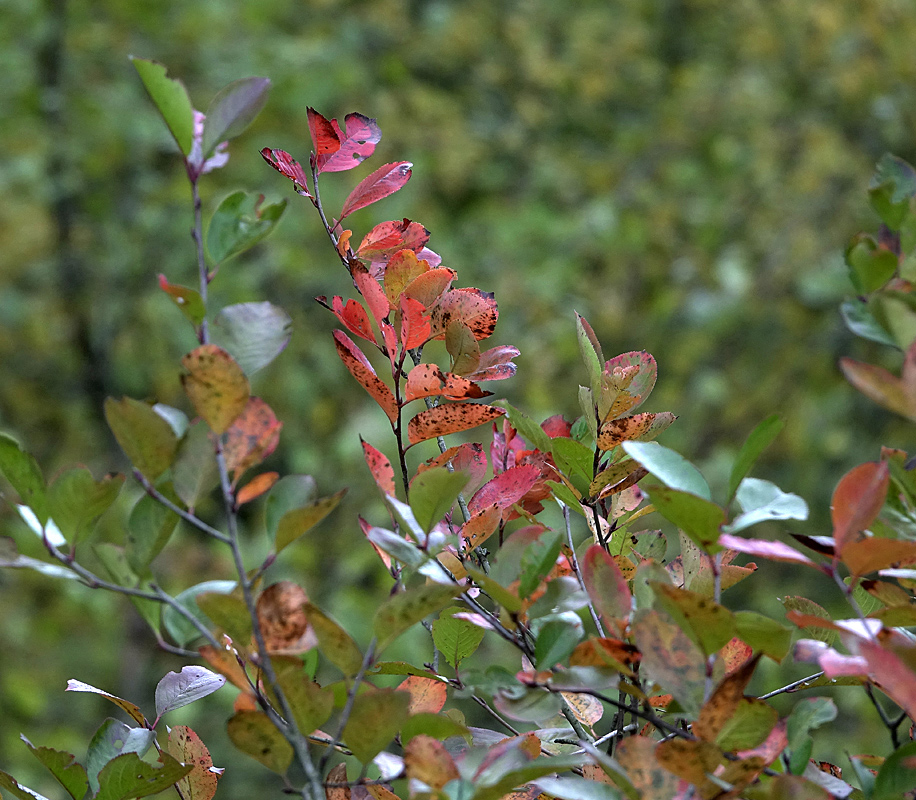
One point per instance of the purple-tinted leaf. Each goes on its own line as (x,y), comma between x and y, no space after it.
(178,689)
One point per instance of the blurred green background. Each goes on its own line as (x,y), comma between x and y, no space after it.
(684,173)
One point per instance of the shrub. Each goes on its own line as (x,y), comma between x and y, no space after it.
(630,674)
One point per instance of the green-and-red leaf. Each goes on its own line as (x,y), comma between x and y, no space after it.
(606,587)
(216,386)
(360,368)
(402,268)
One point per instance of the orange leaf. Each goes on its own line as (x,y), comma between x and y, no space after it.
(870,555)
(225,663)
(723,702)
(481,526)
(256,487)
(362,370)
(380,467)
(282,618)
(186,746)
(343,243)
(473,307)
(402,268)
(450,418)
(426,694)
(429,286)
(215,385)
(251,438)
(639,427)
(467,457)
(354,317)
(427,380)
(427,760)
(858,498)
(735,654)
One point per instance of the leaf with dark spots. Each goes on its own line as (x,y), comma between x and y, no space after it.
(386,238)
(481,526)
(858,498)
(449,418)
(415,329)
(282,619)
(626,382)
(380,467)
(362,370)
(506,489)
(354,317)
(473,307)
(427,380)
(384,181)
(216,386)
(252,437)
(283,163)
(639,427)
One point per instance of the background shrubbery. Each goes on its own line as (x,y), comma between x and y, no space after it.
(683,175)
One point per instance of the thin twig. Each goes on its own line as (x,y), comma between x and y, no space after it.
(187,516)
(578,572)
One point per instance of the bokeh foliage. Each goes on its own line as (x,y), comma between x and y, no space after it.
(683,173)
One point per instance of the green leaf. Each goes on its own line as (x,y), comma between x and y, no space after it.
(709,625)
(403,515)
(400,611)
(433,492)
(566,496)
(171,98)
(397,547)
(254,334)
(288,493)
(375,719)
(805,606)
(897,776)
(111,740)
(239,223)
(537,560)
(149,528)
(229,612)
(573,458)
(311,704)
(76,500)
(188,301)
(64,766)
(439,726)
(255,735)
(556,639)
(669,467)
(748,725)
(891,188)
(763,634)
(179,689)
(528,704)
(146,438)
(700,519)
(870,266)
(17,790)
(590,348)
(587,404)
(194,472)
(574,788)
(500,594)
(232,110)
(808,714)
(498,780)
(114,559)
(335,643)
(760,501)
(455,638)
(757,441)
(298,521)
(527,428)
(860,320)
(22,471)
(182,630)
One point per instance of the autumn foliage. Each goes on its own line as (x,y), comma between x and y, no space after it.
(631,669)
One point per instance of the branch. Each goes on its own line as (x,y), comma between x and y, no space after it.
(187,516)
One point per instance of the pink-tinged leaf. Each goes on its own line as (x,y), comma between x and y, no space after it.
(186,747)
(638,427)
(506,489)
(468,458)
(495,364)
(427,695)
(626,382)
(402,268)
(858,498)
(427,380)
(373,293)
(386,238)
(873,554)
(380,467)
(893,674)
(449,418)
(338,149)
(431,257)
(472,307)
(775,551)
(555,427)
(881,386)
(834,664)
(216,386)
(283,163)
(481,526)
(384,181)
(415,328)
(354,317)
(430,286)
(365,527)
(606,587)
(253,435)
(390,338)
(362,370)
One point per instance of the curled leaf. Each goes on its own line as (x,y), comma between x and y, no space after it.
(384,181)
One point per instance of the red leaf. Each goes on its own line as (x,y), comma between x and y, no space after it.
(283,163)
(252,437)
(353,315)
(606,587)
(384,181)
(415,329)
(450,418)
(386,238)
(892,673)
(338,149)
(858,498)
(505,489)
(362,370)
(372,291)
(427,380)
(468,457)
(473,307)
(495,364)
(380,467)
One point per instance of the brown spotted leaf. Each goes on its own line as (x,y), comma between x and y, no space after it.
(603,652)
(186,747)
(380,467)
(636,755)
(472,307)
(627,380)
(253,435)
(282,619)
(708,624)
(362,370)
(449,418)
(638,427)
(481,526)
(216,386)
(427,380)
